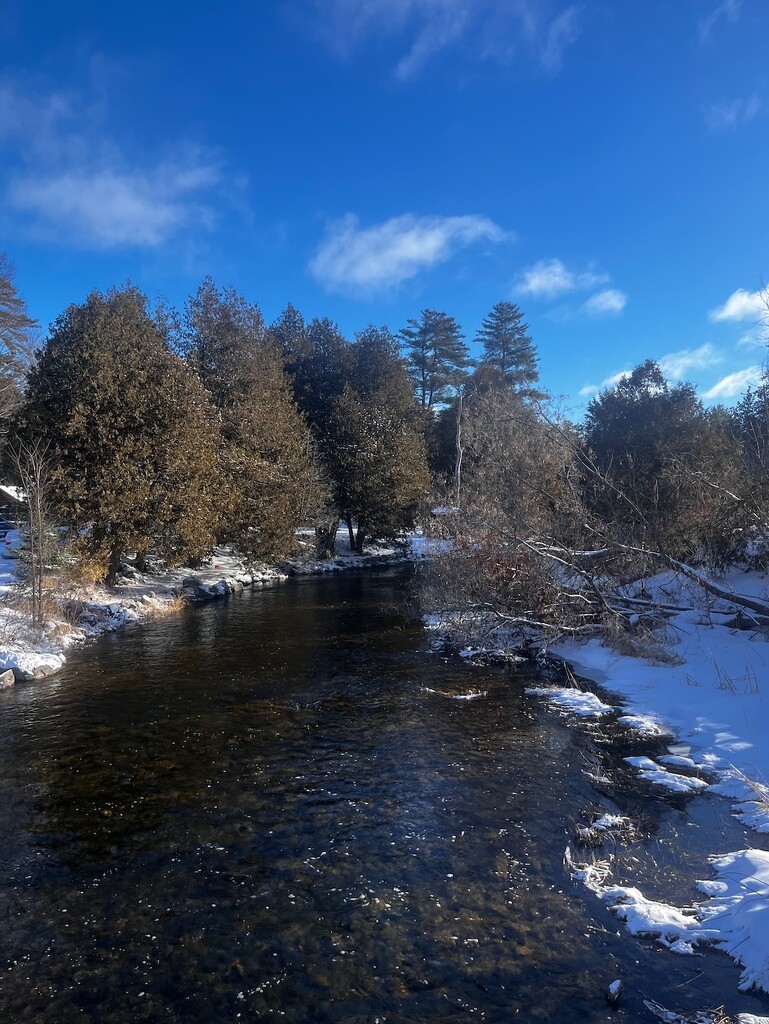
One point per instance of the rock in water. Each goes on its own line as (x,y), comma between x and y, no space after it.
(614,991)
(7,679)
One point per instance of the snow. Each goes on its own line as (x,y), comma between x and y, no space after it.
(645,724)
(580,702)
(653,772)
(712,693)
(735,918)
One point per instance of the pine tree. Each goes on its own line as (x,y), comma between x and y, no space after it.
(508,351)
(129,431)
(436,357)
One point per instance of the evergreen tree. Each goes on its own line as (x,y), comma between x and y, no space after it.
(266,453)
(667,471)
(508,351)
(378,461)
(319,372)
(289,332)
(436,357)
(129,432)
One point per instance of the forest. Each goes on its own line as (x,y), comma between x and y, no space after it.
(147,431)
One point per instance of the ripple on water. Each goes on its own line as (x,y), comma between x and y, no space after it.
(275,808)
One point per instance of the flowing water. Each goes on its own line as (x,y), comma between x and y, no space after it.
(276,807)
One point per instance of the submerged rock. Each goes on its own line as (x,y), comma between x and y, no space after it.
(614,991)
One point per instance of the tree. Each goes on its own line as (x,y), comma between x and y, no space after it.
(266,454)
(516,474)
(31,466)
(436,357)
(129,433)
(377,454)
(508,351)
(661,471)
(17,341)
(289,332)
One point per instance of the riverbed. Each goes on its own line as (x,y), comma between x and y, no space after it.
(283,806)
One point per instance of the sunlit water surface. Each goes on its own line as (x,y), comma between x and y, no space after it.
(276,808)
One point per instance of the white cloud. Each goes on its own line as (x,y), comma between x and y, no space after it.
(735,383)
(589,390)
(548,278)
(732,114)
(442,29)
(65,178)
(495,29)
(676,365)
(609,302)
(106,208)
(741,305)
(757,337)
(561,33)
(609,382)
(353,259)
(727,10)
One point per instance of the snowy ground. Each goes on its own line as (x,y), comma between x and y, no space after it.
(141,596)
(712,699)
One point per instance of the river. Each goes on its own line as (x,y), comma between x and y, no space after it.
(275,807)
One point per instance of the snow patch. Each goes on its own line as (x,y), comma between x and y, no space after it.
(580,702)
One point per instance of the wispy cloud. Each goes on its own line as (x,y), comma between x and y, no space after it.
(66,179)
(589,390)
(497,29)
(551,278)
(364,260)
(561,34)
(741,305)
(732,114)
(609,302)
(735,383)
(726,11)
(756,337)
(108,208)
(676,365)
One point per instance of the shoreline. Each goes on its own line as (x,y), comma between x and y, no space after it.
(141,597)
(697,683)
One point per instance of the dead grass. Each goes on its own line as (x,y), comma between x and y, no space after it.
(639,642)
(162,606)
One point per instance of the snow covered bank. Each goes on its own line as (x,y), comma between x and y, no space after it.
(139,596)
(712,692)
(711,696)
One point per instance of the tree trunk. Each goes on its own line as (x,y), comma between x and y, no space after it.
(361,536)
(325,539)
(114,566)
(458,458)
(348,520)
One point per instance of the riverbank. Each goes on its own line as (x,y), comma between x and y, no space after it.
(695,680)
(76,614)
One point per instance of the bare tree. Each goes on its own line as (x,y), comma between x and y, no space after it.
(18,341)
(30,460)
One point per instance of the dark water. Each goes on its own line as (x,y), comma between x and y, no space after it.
(260,811)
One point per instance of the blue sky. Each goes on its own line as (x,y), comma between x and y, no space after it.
(603,163)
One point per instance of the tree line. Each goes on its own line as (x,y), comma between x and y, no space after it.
(168,431)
